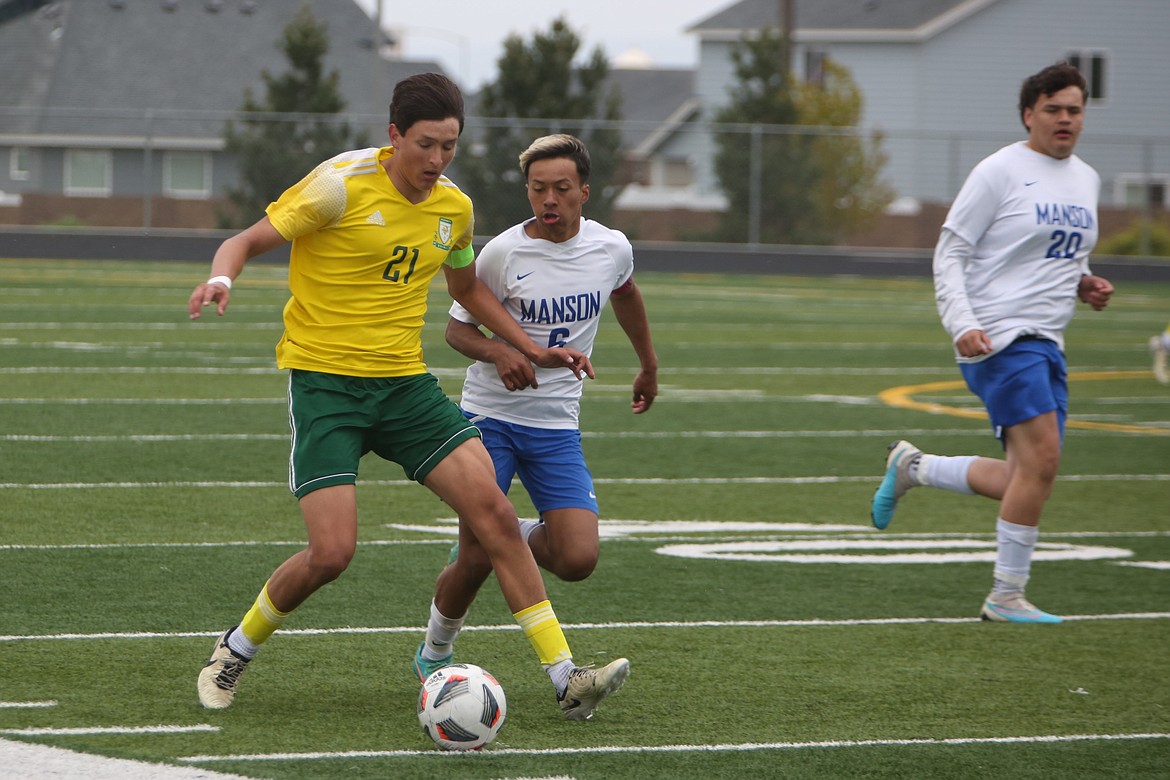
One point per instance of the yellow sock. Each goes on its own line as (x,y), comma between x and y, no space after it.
(543,630)
(262,619)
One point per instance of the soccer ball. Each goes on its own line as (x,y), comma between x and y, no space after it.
(461,707)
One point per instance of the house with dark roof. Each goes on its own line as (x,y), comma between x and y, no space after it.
(656,175)
(941,78)
(112,112)
(660,198)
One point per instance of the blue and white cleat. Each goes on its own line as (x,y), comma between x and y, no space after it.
(1012,607)
(894,485)
(425,667)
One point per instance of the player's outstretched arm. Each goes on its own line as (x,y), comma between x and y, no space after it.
(515,369)
(473,295)
(228,263)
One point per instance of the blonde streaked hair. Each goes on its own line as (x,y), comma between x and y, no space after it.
(558,145)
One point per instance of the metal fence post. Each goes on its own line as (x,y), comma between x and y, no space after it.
(148,171)
(755,185)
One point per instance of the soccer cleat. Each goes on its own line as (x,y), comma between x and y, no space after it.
(896,482)
(1012,607)
(425,667)
(221,675)
(588,687)
(1158,347)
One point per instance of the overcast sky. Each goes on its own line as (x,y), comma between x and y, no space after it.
(467,36)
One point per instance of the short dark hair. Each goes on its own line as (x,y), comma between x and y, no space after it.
(1049,81)
(559,145)
(425,96)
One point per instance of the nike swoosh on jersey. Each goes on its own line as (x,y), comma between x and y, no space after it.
(524,276)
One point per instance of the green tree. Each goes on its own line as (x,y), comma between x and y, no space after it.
(538,91)
(809,187)
(292,129)
(850,193)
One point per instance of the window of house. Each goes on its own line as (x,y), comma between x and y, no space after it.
(1136,190)
(1092,63)
(814,66)
(187,175)
(20,163)
(88,172)
(677,173)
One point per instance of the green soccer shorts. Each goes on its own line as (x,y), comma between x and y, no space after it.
(336,419)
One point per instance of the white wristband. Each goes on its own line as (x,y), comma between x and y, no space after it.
(226,281)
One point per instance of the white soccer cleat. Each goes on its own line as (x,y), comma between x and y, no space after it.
(588,688)
(1158,348)
(221,675)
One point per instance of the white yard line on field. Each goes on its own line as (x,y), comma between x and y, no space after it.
(662,624)
(649,435)
(724,748)
(612,530)
(597,481)
(82,731)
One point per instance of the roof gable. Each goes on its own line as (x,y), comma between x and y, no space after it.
(95,67)
(842,19)
(655,103)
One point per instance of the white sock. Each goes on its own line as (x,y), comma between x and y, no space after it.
(527,527)
(441,633)
(240,644)
(1013,558)
(946,472)
(559,674)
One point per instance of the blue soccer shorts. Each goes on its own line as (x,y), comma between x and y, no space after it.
(549,462)
(1026,379)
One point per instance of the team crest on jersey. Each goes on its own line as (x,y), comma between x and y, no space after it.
(443,234)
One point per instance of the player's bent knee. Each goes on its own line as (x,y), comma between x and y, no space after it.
(575,568)
(328,565)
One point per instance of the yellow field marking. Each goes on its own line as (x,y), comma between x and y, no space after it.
(901,397)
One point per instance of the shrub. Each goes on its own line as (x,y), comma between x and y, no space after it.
(1129,241)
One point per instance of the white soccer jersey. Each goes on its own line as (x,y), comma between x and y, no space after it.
(556,292)
(1021,230)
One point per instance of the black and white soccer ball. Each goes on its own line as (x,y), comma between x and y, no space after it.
(461,707)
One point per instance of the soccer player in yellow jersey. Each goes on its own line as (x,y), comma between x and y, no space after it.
(369,229)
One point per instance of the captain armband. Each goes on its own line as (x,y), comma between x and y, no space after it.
(624,287)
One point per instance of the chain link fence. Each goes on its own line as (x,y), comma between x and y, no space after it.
(169,169)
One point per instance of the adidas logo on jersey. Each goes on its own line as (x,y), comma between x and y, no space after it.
(376,219)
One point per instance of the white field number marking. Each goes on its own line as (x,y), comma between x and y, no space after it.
(898,551)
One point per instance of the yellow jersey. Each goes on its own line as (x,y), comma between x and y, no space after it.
(362,261)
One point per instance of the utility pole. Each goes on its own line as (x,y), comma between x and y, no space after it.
(787,11)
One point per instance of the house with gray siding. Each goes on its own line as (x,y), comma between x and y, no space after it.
(940,80)
(114,110)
